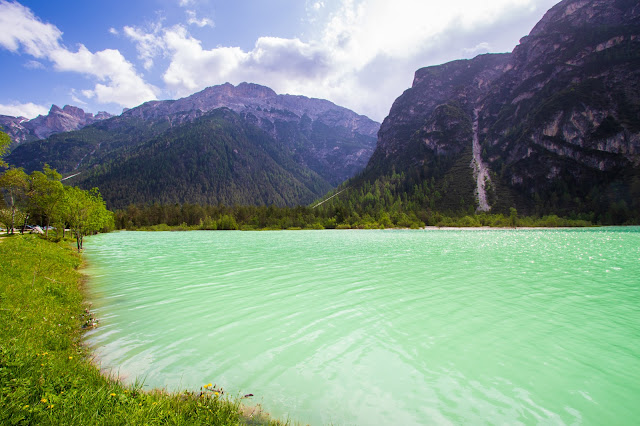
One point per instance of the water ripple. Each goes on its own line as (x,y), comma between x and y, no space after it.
(381,327)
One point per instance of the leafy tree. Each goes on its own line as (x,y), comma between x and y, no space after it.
(5,141)
(45,195)
(86,212)
(13,184)
(513,216)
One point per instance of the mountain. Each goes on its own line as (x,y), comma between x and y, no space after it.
(552,127)
(314,143)
(218,158)
(57,120)
(331,140)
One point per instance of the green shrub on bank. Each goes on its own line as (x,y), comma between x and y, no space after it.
(46,376)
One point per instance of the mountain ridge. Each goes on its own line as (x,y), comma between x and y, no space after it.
(68,118)
(313,137)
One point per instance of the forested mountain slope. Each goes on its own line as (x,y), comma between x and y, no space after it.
(315,145)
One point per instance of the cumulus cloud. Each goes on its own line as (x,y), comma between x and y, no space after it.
(118,81)
(193,20)
(289,57)
(192,67)
(272,61)
(28,110)
(20,28)
(148,44)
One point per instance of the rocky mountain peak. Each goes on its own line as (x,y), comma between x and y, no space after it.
(578,13)
(76,112)
(103,115)
(263,106)
(252,90)
(57,120)
(55,109)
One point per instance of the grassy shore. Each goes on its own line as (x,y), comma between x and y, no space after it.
(46,374)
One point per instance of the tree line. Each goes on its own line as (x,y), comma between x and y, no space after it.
(172,217)
(41,197)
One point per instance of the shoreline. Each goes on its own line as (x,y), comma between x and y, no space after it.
(50,374)
(253,414)
(423,228)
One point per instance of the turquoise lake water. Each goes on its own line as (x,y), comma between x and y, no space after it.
(380,327)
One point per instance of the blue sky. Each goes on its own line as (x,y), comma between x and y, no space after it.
(105,56)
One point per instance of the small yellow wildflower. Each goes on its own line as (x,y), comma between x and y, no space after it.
(216,393)
(113,394)
(126,391)
(208,385)
(154,403)
(70,357)
(26,406)
(41,365)
(44,400)
(140,404)
(51,406)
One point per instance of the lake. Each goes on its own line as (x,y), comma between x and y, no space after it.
(380,327)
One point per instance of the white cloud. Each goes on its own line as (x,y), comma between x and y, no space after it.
(483,47)
(21,28)
(76,99)
(193,20)
(149,45)
(192,67)
(118,81)
(113,31)
(185,3)
(123,85)
(34,65)
(28,110)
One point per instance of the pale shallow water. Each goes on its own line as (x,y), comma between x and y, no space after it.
(380,327)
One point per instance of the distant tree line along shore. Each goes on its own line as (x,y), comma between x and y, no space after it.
(393,201)
(161,217)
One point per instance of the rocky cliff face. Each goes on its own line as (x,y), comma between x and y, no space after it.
(573,94)
(417,120)
(557,121)
(57,120)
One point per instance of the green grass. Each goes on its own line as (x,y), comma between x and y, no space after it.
(46,374)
